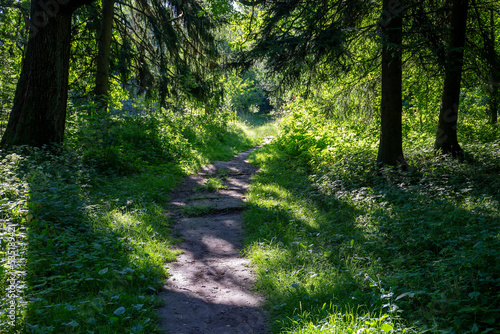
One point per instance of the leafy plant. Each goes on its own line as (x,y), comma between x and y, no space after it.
(418,248)
(91,233)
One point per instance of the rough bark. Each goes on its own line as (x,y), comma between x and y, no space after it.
(446,137)
(39,112)
(101,90)
(390,150)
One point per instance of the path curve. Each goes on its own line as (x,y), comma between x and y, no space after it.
(210,287)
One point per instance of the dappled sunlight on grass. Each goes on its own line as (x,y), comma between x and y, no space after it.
(82,273)
(147,232)
(352,321)
(96,233)
(271,196)
(418,247)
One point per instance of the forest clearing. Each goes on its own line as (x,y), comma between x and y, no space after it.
(217,166)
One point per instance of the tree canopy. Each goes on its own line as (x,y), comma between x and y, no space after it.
(377,204)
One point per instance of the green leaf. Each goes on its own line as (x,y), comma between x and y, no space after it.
(474,294)
(103,271)
(386,327)
(138,307)
(119,311)
(72,323)
(137,328)
(409,294)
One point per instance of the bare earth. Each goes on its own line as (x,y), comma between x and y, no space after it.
(210,287)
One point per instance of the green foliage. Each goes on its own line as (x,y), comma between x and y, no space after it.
(218,8)
(95,246)
(308,138)
(129,142)
(297,38)
(10,57)
(91,236)
(416,250)
(243,95)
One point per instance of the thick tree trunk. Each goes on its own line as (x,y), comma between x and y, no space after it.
(39,112)
(390,150)
(446,137)
(101,90)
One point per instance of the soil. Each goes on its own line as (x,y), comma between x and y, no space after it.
(210,287)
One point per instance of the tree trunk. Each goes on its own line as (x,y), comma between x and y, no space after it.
(493,102)
(390,150)
(494,62)
(39,112)
(101,90)
(446,137)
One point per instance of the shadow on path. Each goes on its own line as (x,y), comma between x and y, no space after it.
(210,287)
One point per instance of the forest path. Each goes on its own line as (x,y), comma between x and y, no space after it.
(210,287)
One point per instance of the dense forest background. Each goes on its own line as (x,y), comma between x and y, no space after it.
(377,209)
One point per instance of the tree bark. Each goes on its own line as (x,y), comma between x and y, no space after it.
(446,137)
(101,90)
(390,150)
(38,115)
(494,62)
(494,101)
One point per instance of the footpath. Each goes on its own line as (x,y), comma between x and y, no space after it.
(210,287)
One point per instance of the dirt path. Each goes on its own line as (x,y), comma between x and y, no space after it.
(209,290)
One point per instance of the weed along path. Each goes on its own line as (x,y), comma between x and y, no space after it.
(210,287)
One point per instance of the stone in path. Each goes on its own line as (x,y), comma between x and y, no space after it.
(210,287)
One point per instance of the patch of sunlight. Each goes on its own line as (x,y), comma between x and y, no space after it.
(279,198)
(350,322)
(146,236)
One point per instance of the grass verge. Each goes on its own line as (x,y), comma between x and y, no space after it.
(84,235)
(342,246)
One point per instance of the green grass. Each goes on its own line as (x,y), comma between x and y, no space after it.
(197,211)
(211,184)
(89,223)
(260,126)
(339,245)
(95,246)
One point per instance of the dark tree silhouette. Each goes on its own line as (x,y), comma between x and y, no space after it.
(390,150)
(446,137)
(39,112)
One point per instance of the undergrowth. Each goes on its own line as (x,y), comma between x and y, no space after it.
(128,143)
(84,235)
(341,246)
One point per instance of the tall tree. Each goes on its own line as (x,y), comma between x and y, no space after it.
(446,137)
(103,53)
(482,56)
(302,39)
(39,112)
(390,150)
(305,40)
(494,62)
(167,44)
